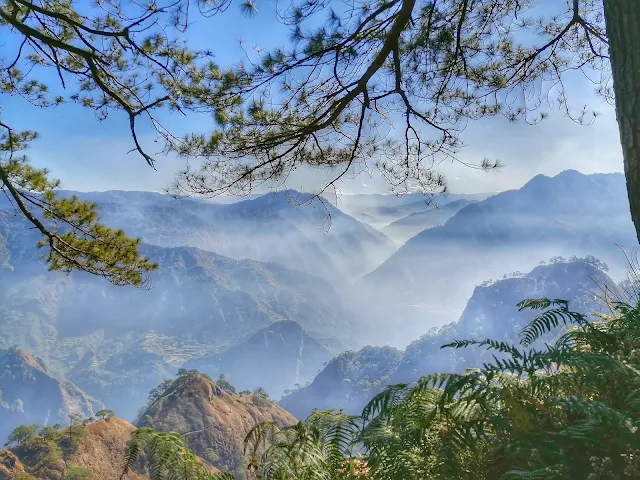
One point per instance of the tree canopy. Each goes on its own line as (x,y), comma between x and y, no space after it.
(362,84)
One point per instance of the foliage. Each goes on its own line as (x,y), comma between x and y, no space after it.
(72,233)
(20,434)
(166,456)
(105,413)
(260,397)
(69,439)
(158,391)
(225,385)
(43,447)
(78,473)
(330,98)
(565,411)
(352,75)
(23,476)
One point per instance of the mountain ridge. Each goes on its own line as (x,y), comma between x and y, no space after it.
(513,230)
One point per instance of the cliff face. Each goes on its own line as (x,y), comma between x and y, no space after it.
(30,394)
(214,422)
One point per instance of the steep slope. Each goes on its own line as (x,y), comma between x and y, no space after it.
(402,230)
(10,465)
(347,382)
(288,227)
(117,343)
(213,422)
(30,394)
(428,280)
(276,358)
(102,450)
(491,312)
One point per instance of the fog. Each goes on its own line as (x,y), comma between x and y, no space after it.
(232,268)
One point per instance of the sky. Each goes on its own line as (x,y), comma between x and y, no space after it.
(87,155)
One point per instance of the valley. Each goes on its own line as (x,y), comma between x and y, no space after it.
(293,297)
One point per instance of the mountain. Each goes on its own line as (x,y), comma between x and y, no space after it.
(428,280)
(213,422)
(491,312)
(102,450)
(117,343)
(82,451)
(288,227)
(348,382)
(405,228)
(379,210)
(277,357)
(31,394)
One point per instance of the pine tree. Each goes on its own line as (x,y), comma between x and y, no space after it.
(328,99)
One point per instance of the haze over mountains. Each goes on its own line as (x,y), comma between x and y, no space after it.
(265,292)
(350,380)
(427,281)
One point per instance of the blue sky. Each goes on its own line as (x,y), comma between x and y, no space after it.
(88,155)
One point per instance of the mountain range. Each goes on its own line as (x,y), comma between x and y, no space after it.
(351,379)
(294,229)
(116,343)
(427,281)
(260,291)
(403,229)
(379,210)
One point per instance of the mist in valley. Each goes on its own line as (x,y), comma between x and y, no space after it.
(268,290)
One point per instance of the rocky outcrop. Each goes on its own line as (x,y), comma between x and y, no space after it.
(214,422)
(10,465)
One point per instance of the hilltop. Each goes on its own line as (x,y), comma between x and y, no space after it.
(213,421)
(434,273)
(350,380)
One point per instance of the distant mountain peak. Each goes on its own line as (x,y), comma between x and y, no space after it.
(30,394)
(276,358)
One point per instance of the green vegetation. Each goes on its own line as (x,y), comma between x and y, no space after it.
(78,473)
(166,456)
(44,451)
(72,233)
(565,412)
(368,71)
(225,385)
(105,413)
(21,434)
(261,397)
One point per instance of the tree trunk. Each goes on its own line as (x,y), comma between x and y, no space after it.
(622,19)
